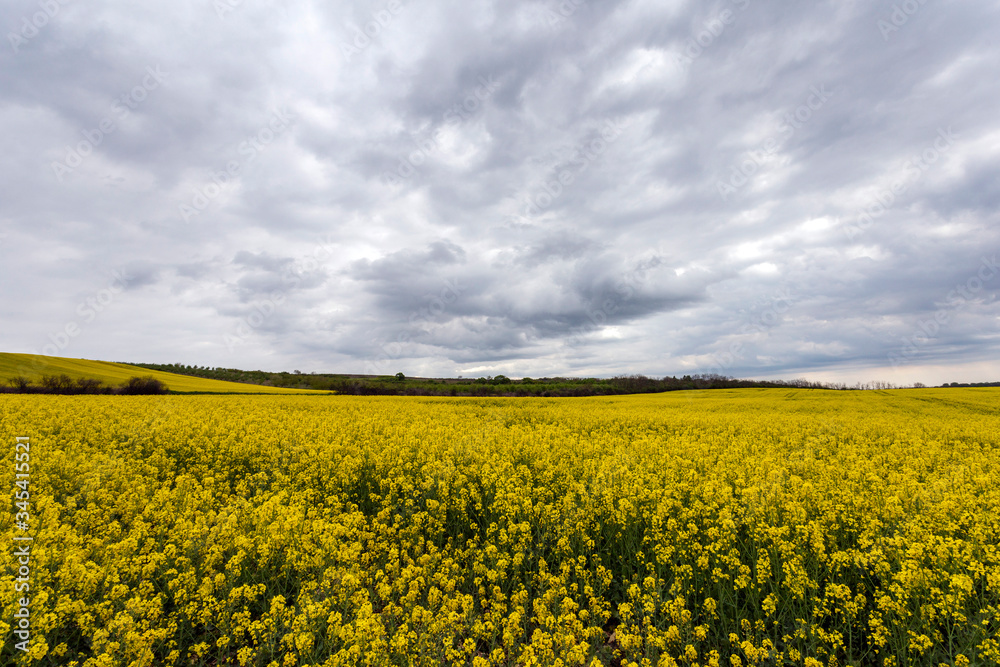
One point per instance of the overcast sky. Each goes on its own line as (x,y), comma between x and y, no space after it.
(586,187)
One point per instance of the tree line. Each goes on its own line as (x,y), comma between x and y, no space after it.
(64,384)
(496,385)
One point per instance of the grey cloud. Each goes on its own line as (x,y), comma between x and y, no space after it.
(512,204)
(261,260)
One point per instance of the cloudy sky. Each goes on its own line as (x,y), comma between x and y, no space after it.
(584,187)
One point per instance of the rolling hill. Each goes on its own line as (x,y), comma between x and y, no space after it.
(34,366)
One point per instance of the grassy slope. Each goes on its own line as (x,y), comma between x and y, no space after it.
(33,367)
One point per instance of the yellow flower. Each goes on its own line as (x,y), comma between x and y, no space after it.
(216,529)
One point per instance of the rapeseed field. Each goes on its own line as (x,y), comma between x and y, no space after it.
(714,528)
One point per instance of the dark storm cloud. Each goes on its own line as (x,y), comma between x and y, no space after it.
(522,187)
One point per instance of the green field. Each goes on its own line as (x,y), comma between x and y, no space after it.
(34,366)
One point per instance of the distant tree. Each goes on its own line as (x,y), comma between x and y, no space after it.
(57,384)
(632,383)
(400,377)
(90,386)
(500,379)
(142,385)
(20,383)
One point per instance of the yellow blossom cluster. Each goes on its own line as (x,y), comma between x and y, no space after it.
(695,529)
